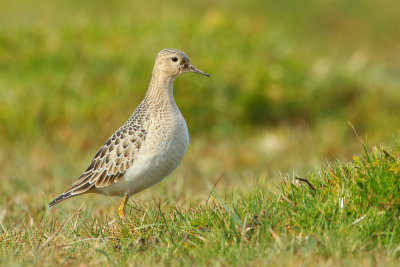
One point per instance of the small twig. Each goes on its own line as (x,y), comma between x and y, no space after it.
(209,195)
(307,182)
(387,155)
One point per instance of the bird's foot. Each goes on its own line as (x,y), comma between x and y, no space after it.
(121,209)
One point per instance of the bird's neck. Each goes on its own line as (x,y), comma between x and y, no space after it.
(161,88)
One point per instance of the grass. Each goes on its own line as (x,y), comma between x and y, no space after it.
(286,80)
(347,214)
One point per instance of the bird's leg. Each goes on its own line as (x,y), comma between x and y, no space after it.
(121,209)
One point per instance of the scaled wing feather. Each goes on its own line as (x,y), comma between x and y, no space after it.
(111,161)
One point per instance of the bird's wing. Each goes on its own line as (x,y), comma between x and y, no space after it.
(113,159)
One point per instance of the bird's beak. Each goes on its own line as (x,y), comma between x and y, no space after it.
(196,70)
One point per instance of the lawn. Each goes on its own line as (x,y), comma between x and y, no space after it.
(344,214)
(289,82)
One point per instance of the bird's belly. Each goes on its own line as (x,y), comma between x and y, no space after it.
(153,163)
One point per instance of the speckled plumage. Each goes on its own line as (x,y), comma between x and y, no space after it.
(151,143)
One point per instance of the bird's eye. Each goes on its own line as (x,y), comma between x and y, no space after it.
(174,59)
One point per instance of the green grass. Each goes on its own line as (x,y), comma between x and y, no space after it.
(349,214)
(287,78)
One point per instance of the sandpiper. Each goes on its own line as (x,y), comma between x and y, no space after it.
(150,144)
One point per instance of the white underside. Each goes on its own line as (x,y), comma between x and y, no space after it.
(159,156)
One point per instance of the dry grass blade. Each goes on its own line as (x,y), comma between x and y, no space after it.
(215,185)
(48,240)
(275,236)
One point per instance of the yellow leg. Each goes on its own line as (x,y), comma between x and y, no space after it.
(121,209)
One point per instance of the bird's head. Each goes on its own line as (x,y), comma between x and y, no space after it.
(175,62)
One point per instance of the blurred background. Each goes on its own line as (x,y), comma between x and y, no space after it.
(287,79)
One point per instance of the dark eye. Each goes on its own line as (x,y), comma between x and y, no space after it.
(174,59)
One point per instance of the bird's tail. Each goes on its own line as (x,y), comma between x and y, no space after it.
(60,198)
(78,188)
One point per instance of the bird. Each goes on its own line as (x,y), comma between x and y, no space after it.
(148,146)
